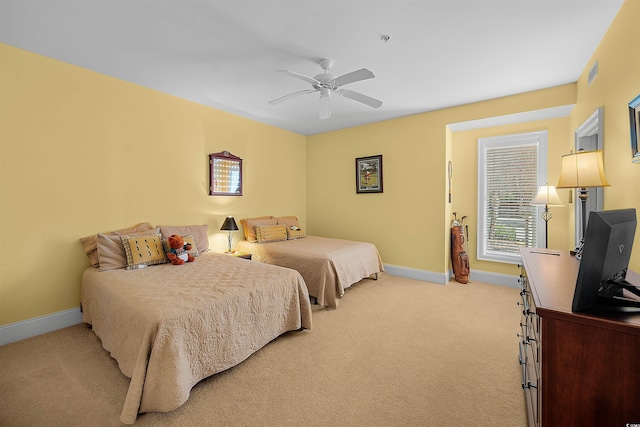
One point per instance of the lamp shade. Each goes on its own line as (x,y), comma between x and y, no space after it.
(583,169)
(229,224)
(547,196)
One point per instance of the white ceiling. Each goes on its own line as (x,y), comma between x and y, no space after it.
(225,53)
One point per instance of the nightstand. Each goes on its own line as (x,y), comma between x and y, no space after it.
(239,254)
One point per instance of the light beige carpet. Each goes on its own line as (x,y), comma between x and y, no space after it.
(397,352)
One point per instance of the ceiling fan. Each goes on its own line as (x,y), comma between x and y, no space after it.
(326,83)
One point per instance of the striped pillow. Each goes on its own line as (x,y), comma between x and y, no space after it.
(271,233)
(249,226)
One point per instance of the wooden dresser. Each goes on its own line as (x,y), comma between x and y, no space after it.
(577,369)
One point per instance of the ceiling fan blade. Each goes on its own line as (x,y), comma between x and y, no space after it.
(325,106)
(299,76)
(354,76)
(357,96)
(291,95)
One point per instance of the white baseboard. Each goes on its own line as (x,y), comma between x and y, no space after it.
(39,325)
(495,278)
(414,273)
(443,278)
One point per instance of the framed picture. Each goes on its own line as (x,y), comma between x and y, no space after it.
(225,171)
(369,174)
(634,125)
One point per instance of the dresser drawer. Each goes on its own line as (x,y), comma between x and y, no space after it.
(531,387)
(529,350)
(529,383)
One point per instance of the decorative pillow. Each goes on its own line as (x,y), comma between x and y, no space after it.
(143,250)
(294,231)
(90,243)
(200,234)
(187,239)
(287,219)
(271,233)
(243,222)
(111,254)
(250,227)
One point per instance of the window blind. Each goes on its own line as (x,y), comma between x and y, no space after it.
(510,168)
(511,182)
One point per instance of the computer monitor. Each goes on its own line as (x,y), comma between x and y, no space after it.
(605,259)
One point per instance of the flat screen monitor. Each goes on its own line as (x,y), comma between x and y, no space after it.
(605,259)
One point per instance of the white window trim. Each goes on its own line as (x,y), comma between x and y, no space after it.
(538,139)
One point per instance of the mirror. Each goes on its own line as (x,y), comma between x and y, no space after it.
(226,174)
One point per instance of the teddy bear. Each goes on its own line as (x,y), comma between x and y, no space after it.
(178,254)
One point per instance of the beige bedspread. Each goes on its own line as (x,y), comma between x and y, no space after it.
(170,326)
(328,266)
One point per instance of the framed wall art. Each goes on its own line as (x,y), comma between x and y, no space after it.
(634,128)
(369,174)
(225,174)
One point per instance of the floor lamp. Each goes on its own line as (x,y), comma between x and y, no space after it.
(547,196)
(583,170)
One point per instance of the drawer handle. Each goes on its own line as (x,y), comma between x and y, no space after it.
(526,311)
(525,340)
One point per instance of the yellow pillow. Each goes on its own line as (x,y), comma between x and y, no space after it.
(143,250)
(249,226)
(271,233)
(111,254)
(294,231)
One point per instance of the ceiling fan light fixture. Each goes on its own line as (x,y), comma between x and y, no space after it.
(324,107)
(326,83)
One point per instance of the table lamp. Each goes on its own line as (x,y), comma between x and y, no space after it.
(547,196)
(229,225)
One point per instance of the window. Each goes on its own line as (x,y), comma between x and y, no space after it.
(509,170)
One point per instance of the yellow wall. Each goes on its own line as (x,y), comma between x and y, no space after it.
(409,222)
(394,220)
(83,153)
(617,83)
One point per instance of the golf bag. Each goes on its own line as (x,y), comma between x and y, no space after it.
(459,257)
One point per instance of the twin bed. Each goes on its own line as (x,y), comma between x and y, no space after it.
(169,327)
(328,266)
